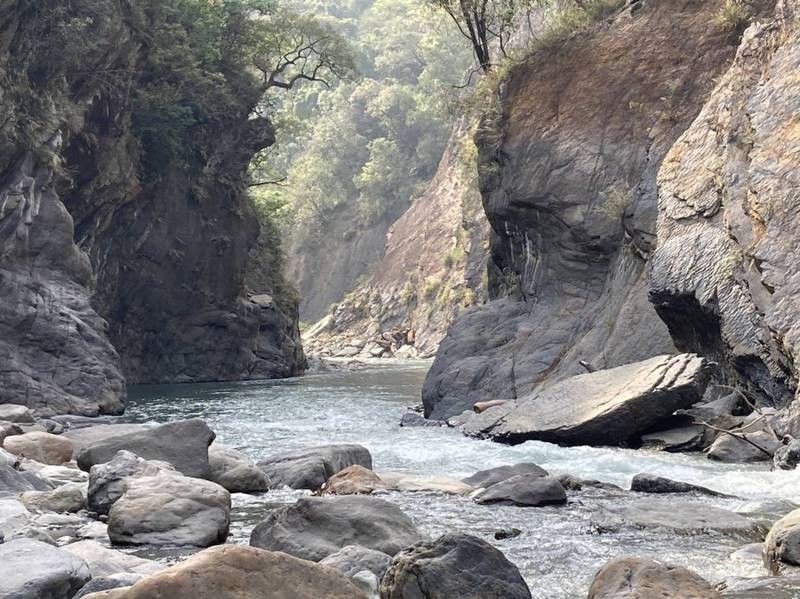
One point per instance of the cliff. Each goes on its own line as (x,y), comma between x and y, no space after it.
(568,164)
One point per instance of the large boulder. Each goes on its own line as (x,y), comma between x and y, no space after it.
(233,470)
(787,456)
(529,490)
(8,429)
(10,412)
(70,497)
(170,509)
(14,517)
(601,408)
(354,480)
(241,572)
(310,468)
(638,578)
(103,561)
(454,565)
(316,527)
(184,444)
(106,583)
(13,482)
(492,476)
(42,447)
(31,569)
(107,480)
(88,435)
(727,448)
(650,483)
(782,546)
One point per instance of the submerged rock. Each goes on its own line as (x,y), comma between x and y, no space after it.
(492,476)
(315,527)
(650,483)
(605,407)
(235,471)
(309,468)
(454,565)
(639,578)
(42,447)
(525,490)
(184,444)
(413,419)
(107,480)
(31,568)
(782,545)
(401,481)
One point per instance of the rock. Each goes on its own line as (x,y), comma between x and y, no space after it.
(454,565)
(772,587)
(352,559)
(15,413)
(492,476)
(782,545)
(169,509)
(482,406)
(679,517)
(7,429)
(524,490)
(184,444)
(88,435)
(638,578)
(234,471)
(316,527)
(56,475)
(105,583)
(14,516)
(13,482)
(31,569)
(400,481)
(309,468)
(649,483)
(412,419)
(244,573)
(42,447)
(57,526)
(103,561)
(727,448)
(787,456)
(9,459)
(353,480)
(511,533)
(365,580)
(70,497)
(573,483)
(752,552)
(684,438)
(603,408)
(92,530)
(107,480)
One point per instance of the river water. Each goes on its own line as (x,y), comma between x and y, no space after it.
(558,550)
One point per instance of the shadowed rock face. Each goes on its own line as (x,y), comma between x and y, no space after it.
(725,275)
(568,177)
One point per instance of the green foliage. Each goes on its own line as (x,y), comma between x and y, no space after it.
(732,16)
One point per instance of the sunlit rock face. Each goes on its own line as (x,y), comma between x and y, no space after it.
(726,278)
(568,176)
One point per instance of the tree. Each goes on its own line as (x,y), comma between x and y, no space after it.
(484,23)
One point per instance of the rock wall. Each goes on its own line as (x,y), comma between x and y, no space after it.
(725,274)
(433,267)
(568,165)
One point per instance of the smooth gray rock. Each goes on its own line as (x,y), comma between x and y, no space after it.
(573,483)
(352,559)
(727,448)
(650,483)
(88,435)
(184,444)
(454,565)
(529,490)
(7,429)
(9,459)
(787,456)
(107,480)
(106,583)
(15,413)
(13,482)
(233,470)
(14,517)
(103,561)
(782,545)
(31,569)
(309,468)
(492,476)
(684,438)
(70,497)
(170,509)
(413,419)
(605,407)
(315,527)
(638,578)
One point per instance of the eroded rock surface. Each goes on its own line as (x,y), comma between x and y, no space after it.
(309,468)
(638,578)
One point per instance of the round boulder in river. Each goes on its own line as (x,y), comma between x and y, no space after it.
(637,578)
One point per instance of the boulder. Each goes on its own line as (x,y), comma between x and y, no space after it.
(170,509)
(413,419)
(782,545)
(352,559)
(70,497)
(492,476)
(650,483)
(31,569)
(769,587)
(638,578)
(103,561)
(7,429)
(241,572)
(234,471)
(315,527)
(14,517)
(42,447)
(88,435)
(9,459)
(727,448)
(184,444)
(454,565)
(400,481)
(573,483)
(529,490)
(605,407)
(13,482)
(679,517)
(787,456)
(10,412)
(310,468)
(56,526)
(683,438)
(55,475)
(107,480)
(353,480)
(106,583)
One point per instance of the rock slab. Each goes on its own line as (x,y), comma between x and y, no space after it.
(31,569)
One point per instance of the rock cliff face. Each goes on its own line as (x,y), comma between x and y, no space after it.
(433,267)
(82,240)
(568,166)
(726,279)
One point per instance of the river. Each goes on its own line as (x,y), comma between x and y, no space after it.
(558,551)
